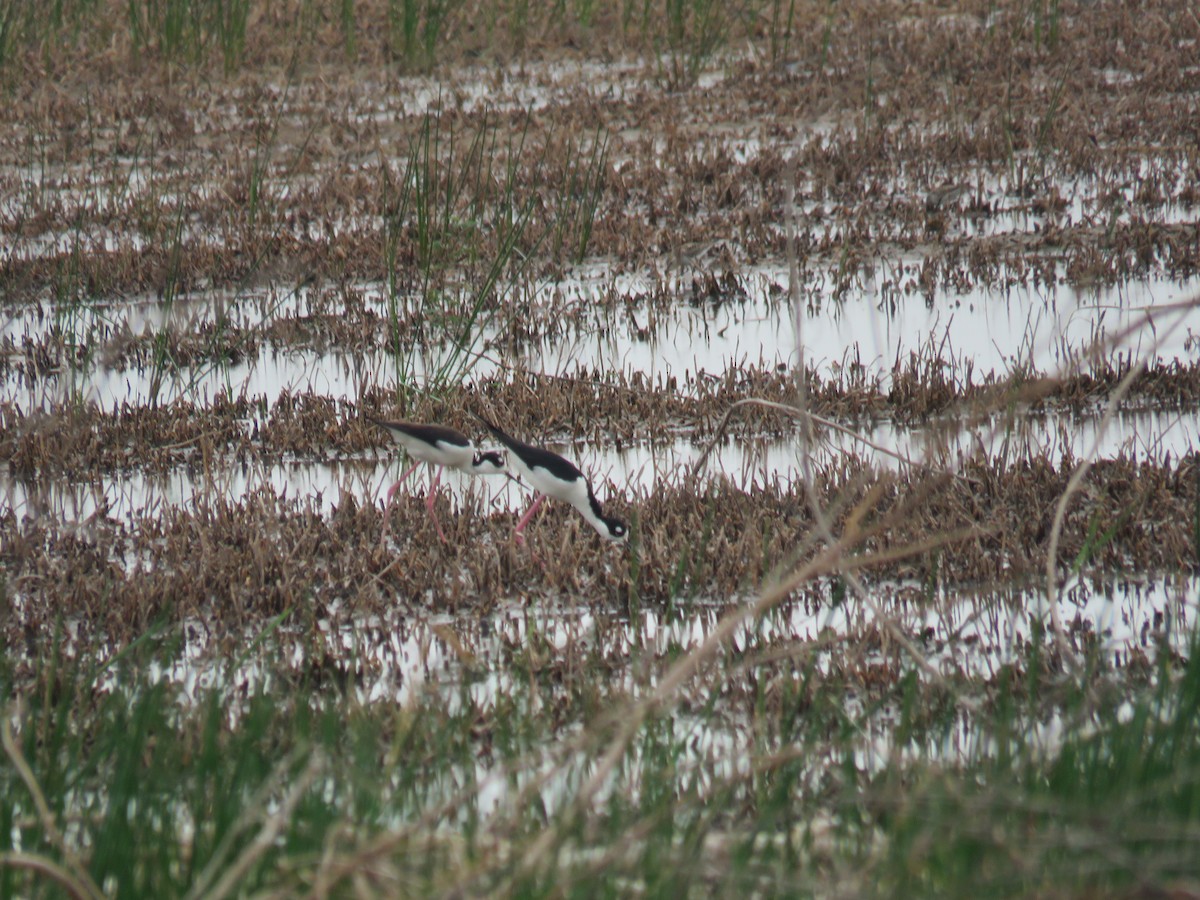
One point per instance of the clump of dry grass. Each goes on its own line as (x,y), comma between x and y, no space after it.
(242,559)
(616,407)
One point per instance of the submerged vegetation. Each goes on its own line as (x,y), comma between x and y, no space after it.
(932,634)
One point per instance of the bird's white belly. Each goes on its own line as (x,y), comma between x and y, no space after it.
(455,457)
(574,492)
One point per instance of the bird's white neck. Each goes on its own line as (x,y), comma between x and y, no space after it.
(589,507)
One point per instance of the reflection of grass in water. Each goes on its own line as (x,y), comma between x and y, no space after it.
(161,362)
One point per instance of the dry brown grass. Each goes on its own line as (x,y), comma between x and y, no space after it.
(917,101)
(236,560)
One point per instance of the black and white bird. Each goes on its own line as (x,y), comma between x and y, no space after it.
(552,476)
(441,448)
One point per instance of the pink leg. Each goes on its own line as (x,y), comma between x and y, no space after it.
(391,495)
(541,498)
(437,477)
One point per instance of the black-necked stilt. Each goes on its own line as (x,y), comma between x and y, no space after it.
(552,476)
(441,447)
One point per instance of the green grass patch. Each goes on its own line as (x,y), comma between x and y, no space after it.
(779,774)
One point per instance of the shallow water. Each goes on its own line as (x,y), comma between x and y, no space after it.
(475,662)
(629,472)
(999,331)
(977,333)
(395,657)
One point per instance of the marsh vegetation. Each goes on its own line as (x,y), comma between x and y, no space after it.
(878,323)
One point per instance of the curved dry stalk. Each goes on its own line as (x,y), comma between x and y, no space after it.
(630,719)
(796,413)
(271,827)
(888,623)
(830,560)
(49,868)
(638,712)
(807,418)
(74,869)
(1053,589)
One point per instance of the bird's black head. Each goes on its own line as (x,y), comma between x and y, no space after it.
(490,462)
(614,529)
(618,531)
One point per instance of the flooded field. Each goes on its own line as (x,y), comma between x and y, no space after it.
(878,325)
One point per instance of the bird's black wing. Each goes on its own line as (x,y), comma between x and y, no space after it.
(430,434)
(535,457)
